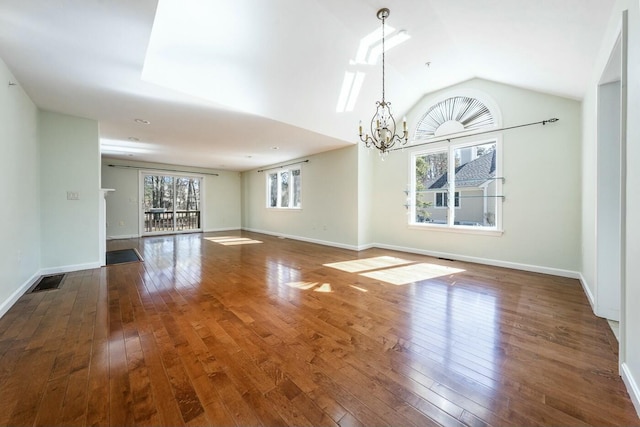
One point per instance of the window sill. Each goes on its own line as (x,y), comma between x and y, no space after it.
(456,229)
(269,208)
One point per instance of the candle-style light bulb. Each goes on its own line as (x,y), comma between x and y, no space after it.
(360,127)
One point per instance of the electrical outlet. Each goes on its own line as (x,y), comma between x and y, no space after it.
(121,223)
(73,195)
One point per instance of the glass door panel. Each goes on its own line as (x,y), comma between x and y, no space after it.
(170,204)
(187,212)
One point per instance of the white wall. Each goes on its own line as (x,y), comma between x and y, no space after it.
(69,161)
(20,213)
(630,350)
(329,211)
(222,197)
(607,292)
(541,166)
(590,150)
(630,315)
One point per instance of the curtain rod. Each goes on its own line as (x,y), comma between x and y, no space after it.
(164,170)
(444,138)
(281,166)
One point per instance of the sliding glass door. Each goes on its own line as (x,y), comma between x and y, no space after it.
(170,203)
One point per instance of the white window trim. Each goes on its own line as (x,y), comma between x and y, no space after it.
(450,147)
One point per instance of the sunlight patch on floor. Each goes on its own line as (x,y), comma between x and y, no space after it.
(359,288)
(411,273)
(232,240)
(305,286)
(325,287)
(302,285)
(358,265)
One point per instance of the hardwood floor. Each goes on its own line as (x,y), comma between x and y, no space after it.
(209,331)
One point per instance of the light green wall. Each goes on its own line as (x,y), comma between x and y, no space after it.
(366,159)
(329,201)
(69,161)
(19,216)
(353,198)
(222,197)
(44,155)
(541,167)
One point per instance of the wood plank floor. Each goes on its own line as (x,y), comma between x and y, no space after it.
(215,331)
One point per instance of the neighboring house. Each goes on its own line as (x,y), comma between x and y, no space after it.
(475,183)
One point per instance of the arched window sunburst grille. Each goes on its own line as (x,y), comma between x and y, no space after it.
(470,113)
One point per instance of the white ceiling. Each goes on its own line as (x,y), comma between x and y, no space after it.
(236,78)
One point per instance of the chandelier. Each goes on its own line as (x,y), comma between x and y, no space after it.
(383,125)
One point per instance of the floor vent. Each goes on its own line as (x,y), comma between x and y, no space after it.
(48,282)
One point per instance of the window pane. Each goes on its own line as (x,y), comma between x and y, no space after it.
(284,189)
(475,183)
(273,190)
(187,194)
(296,188)
(158,193)
(431,179)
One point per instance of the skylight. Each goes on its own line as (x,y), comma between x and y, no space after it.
(350,90)
(115,146)
(368,52)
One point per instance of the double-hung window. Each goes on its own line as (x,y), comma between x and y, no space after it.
(456,185)
(284,188)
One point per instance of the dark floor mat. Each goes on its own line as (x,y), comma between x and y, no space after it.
(48,282)
(122,256)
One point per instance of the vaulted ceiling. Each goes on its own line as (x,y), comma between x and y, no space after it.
(239,84)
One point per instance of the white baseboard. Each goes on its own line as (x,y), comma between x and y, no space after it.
(69,268)
(215,230)
(15,296)
(587,291)
(486,261)
(304,239)
(123,236)
(632,386)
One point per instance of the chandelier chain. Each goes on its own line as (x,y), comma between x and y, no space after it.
(383,17)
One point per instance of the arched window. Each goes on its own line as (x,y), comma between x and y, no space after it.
(457,182)
(454,115)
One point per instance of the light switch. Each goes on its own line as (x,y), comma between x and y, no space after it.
(73,195)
